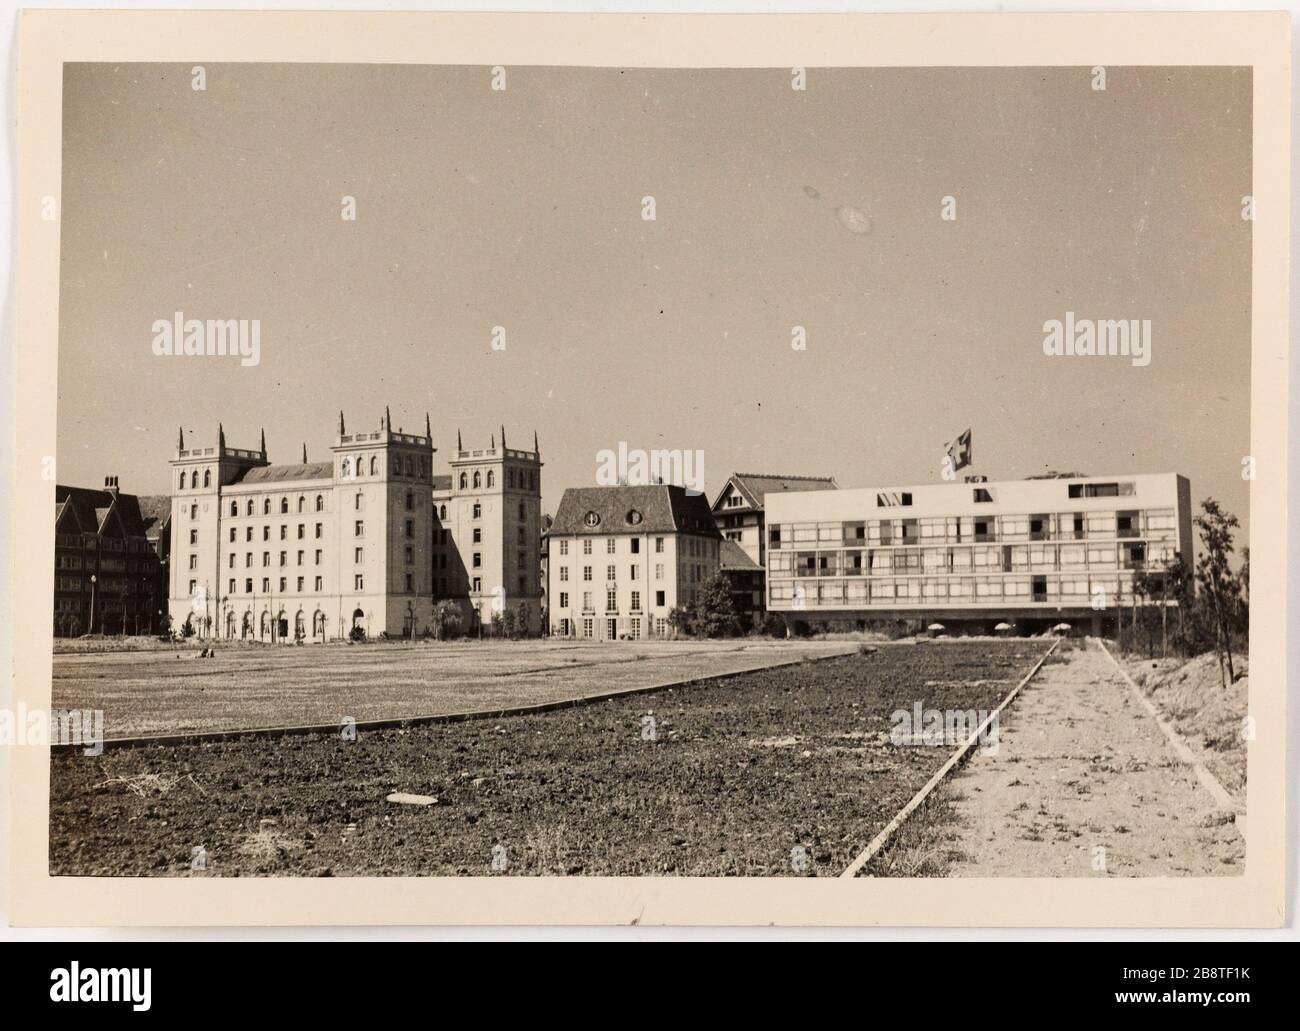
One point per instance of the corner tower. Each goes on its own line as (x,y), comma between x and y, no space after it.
(495,515)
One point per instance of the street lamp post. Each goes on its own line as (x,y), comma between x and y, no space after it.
(90,626)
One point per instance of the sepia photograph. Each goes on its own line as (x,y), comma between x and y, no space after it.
(769,471)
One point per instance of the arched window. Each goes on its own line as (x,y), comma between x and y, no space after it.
(194,479)
(442,511)
(181,485)
(463,481)
(234,508)
(374,465)
(320,503)
(492,479)
(266,506)
(249,507)
(284,506)
(318,624)
(510,478)
(347,467)
(302,503)
(478,480)
(207,477)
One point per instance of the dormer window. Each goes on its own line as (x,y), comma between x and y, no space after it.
(591,519)
(633,517)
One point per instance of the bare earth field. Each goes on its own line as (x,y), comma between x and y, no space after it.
(154,692)
(784,771)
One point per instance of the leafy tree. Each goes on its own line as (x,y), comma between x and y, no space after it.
(498,624)
(715,612)
(446,619)
(519,621)
(1215,582)
(187,628)
(682,620)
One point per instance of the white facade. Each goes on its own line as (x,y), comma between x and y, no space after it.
(1019,547)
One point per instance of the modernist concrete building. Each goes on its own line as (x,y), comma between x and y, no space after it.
(109,575)
(620,559)
(487,528)
(1031,552)
(738,509)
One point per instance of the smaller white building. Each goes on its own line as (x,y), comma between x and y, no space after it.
(1022,550)
(620,559)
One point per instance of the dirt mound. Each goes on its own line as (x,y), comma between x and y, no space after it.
(1190,694)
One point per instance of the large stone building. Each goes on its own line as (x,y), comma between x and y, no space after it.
(1030,552)
(109,561)
(366,542)
(620,559)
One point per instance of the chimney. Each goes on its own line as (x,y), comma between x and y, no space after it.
(110,485)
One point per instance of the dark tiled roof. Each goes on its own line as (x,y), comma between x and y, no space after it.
(281,473)
(91,508)
(663,509)
(756,486)
(733,556)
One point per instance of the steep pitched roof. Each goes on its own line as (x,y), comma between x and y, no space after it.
(734,557)
(92,508)
(756,486)
(663,508)
(282,473)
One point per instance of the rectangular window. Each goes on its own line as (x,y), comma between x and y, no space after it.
(319,528)
(194,562)
(586,547)
(284,585)
(587,627)
(564,574)
(232,535)
(266,533)
(284,558)
(232,560)
(477,536)
(586,601)
(610,546)
(300,558)
(318,556)
(410,556)
(636,545)
(410,583)
(360,528)
(632,570)
(610,573)
(659,545)
(564,599)
(478,585)
(284,533)
(564,547)
(302,530)
(478,560)
(232,587)
(358,555)
(636,601)
(194,536)
(410,528)
(586,572)
(320,584)
(611,601)
(300,582)
(659,599)
(358,582)
(266,584)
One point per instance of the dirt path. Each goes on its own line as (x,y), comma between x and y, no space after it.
(1082,766)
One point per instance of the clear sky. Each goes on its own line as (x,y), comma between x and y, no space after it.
(775,208)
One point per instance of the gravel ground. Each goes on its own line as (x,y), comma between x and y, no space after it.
(1082,766)
(274,686)
(778,772)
